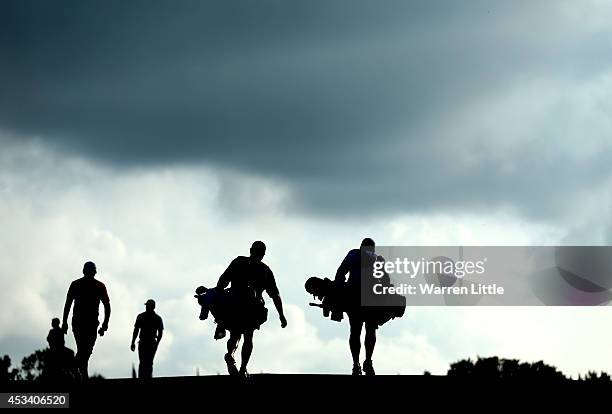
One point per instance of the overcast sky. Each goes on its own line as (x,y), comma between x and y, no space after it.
(159,139)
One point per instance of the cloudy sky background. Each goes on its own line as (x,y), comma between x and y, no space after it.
(159,139)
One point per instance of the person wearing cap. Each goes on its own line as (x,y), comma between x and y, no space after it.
(86,293)
(151,328)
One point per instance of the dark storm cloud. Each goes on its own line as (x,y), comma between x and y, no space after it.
(343,99)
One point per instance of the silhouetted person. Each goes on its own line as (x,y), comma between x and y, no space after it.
(55,338)
(86,293)
(249,278)
(358,315)
(61,359)
(151,328)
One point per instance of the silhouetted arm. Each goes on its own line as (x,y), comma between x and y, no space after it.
(160,330)
(274,294)
(343,269)
(226,277)
(134,335)
(107,312)
(67,306)
(278,304)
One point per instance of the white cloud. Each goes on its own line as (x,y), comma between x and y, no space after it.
(161,233)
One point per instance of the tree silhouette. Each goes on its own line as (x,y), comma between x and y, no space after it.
(504,369)
(462,368)
(41,366)
(6,372)
(592,378)
(35,366)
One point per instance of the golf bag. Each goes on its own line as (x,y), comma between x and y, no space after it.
(230,311)
(337,298)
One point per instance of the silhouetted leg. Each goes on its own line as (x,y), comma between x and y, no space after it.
(141,363)
(141,373)
(232,345)
(153,352)
(370,340)
(146,352)
(79,352)
(247,349)
(85,338)
(356,325)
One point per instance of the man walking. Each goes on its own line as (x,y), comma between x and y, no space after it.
(151,328)
(86,293)
(249,278)
(359,315)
